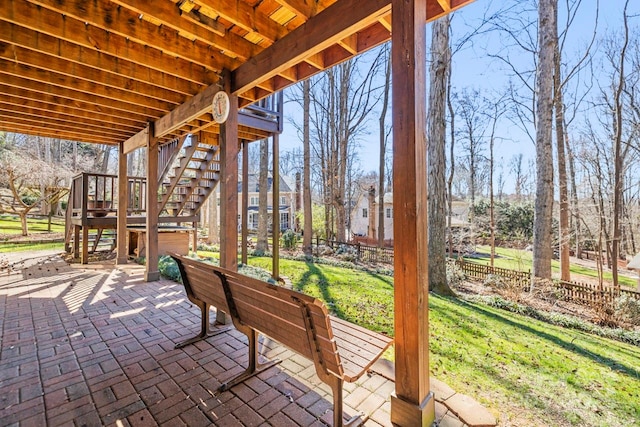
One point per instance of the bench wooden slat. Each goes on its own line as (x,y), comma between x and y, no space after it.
(340,350)
(259,315)
(373,339)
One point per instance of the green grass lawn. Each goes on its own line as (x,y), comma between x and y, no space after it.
(12,247)
(10,224)
(517,259)
(527,372)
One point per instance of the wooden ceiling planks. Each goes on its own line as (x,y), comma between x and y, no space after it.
(101,70)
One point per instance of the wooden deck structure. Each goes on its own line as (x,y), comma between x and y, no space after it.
(141,74)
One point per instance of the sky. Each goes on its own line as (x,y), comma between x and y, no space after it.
(473,68)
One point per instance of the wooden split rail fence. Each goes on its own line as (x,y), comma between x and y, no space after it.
(579,292)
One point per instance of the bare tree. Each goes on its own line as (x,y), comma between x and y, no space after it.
(439,70)
(543,219)
(383,134)
(306,173)
(471,134)
(340,102)
(30,182)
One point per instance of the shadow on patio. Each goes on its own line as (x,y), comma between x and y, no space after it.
(93,345)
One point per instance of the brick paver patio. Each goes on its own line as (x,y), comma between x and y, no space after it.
(94,345)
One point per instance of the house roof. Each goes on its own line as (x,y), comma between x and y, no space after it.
(254,184)
(100,71)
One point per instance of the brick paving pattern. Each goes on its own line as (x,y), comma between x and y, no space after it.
(94,345)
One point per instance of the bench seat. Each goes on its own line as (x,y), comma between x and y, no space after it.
(341,351)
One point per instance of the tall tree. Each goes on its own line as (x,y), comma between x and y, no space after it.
(436,159)
(306,172)
(384,132)
(543,219)
(619,151)
(341,100)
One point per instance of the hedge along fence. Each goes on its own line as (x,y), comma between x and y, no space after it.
(579,292)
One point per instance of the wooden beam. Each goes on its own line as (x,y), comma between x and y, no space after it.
(44,43)
(166,12)
(115,83)
(190,110)
(60,85)
(248,18)
(229,189)
(275,207)
(412,404)
(138,140)
(75,31)
(123,200)
(245,201)
(49,132)
(151,272)
(42,106)
(334,23)
(445,5)
(127,24)
(19,111)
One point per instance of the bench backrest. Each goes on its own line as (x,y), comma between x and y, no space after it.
(277,312)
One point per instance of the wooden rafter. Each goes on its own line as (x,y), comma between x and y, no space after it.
(117,65)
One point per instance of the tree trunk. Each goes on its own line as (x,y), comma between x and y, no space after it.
(542,227)
(436,158)
(306,174)
(575,207)
(452,164)
(564,237)
(23,222)
(383,149)
(262,244)
(619,155)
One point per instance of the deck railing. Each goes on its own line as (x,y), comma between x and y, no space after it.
(96,195)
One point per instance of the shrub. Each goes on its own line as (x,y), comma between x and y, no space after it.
(627,309)
(455,275)
(494,281)
(289,240)
(169,268)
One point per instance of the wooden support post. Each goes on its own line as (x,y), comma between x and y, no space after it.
(245,201)
(151,251)
(123,200)
(84,256)
(76,241)
(412,404)
(194,242)
(275,193)
(229,189)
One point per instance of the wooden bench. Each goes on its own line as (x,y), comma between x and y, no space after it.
(340,350)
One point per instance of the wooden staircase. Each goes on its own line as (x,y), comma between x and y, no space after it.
(190,179)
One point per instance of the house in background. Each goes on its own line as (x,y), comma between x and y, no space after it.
(287,202)
(364,218)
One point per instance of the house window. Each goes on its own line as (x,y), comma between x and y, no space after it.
(252,221)
(253,201)
(283,200)
(365,214)
(284,220)
(389,212)
(218,201)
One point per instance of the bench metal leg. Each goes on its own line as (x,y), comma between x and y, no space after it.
(338,412)
(205,328)
(255,367)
